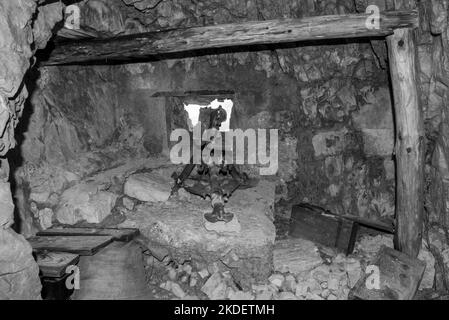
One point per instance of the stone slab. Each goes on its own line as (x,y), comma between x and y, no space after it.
(178,226)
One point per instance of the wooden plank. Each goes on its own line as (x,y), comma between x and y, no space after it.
(378,225)
(327,230)
(144,45)
(54,264)
(400,277)
(213,93)
(82,245)
(409,149)
(125,234)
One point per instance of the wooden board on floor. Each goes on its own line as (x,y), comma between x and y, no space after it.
(54,264)
(327,230)
(400,276)
(82,245)
(125,234)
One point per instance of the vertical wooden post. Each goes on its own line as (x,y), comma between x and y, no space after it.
(409,142)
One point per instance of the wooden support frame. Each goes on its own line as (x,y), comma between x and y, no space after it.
(396,26)
(409,146)
(144,45)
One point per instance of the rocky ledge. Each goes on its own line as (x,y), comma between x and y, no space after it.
(177,228)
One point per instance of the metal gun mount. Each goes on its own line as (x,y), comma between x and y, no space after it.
(215,181)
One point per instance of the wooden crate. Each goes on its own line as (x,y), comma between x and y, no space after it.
(325,229)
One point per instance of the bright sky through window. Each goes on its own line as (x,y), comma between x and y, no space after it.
(194,112)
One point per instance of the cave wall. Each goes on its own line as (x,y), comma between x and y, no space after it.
(24,27)
(331,104)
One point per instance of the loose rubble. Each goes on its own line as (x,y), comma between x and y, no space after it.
(327,279)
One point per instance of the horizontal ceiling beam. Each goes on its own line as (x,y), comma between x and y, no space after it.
(145,45)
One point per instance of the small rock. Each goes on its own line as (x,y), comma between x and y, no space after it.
(354,273)
(128,203)
(234,256)
(429,273)
(53,200)
(187,268)
(166,260)
(34,210)
(184,279)
(213,268)
(166,285)
(184,195)
(215,288)
(148,187)
(332,297)
(240,295)
(286,296)
(150,260)
(85,201)
(39,197)
(193,281)
(295,256)
(333,283)
(370,246)
(301,289)
(277,280)
(325,293)
(310,285)
(7,205)
(203,273)
(265,295)
(172,275)
(289,283)
(321,273)
(259,288)
(177,290)
(45,218)
(314,296)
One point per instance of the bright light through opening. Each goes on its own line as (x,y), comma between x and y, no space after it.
(194,112)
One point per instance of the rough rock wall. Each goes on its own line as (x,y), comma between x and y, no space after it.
(434,65)
(325,99)
(331,102)
(19,37)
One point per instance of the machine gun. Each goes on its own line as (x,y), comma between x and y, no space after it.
(215,181)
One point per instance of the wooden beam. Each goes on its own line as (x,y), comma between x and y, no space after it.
(230,35)
(82,245)
(123,234)
(409,148)
(198,93)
